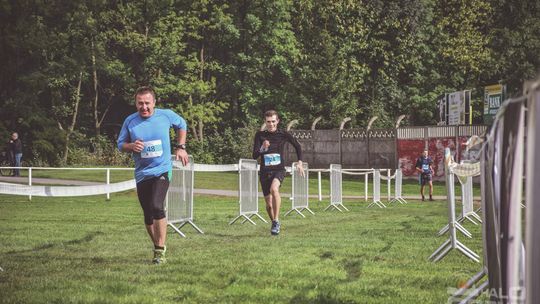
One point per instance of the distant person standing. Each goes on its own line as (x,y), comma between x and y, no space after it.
(145,134)
(268,145)
(424,166)
(15,151)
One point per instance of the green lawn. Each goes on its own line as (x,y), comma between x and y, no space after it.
(87,250)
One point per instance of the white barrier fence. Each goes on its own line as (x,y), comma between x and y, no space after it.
(377,190)
(300,190)
(467,210)
(179,200)
(336,187)
(248,193)
(462,170)
(398,198)
(510,263)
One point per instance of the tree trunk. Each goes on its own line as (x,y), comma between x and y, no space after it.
(201,76)
(97,123)
(71,127)
(194,131)
(200,125)
(201,72)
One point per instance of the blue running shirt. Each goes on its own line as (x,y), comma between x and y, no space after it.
(155,159)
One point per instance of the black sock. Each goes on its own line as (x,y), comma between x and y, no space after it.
(158,247)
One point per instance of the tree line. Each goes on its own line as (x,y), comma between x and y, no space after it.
(69,68)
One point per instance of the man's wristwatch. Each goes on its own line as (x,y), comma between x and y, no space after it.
(180,146)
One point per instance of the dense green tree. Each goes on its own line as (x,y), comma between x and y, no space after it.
(69,68)
(514,43)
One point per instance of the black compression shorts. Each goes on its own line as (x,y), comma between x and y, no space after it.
(425,178)
(151,193)
(266,178)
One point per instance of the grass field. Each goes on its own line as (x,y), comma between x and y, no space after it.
(86,250)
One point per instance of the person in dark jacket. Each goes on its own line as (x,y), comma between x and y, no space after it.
(424,167)
(268,145)
(15,151)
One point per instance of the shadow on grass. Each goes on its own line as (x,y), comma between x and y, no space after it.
(323,297)
(87,238)
(353,267)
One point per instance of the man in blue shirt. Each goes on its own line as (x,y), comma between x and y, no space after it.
(145,134)
(424,166)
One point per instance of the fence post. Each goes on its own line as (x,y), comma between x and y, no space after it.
(458,150)
(108,182)
(30,183)
(426,138)
(389,183)
(319,180)
(366,181)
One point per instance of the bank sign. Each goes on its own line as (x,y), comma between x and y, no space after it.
(493,98)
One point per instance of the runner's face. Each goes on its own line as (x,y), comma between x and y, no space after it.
(425,153)
(145,104)
(271,123)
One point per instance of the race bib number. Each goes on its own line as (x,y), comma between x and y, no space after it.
(153,148)
(425,168)
(272,159)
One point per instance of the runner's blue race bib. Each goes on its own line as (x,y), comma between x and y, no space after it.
(272,159)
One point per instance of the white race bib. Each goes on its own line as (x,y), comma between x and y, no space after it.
(272,159)
(153,148)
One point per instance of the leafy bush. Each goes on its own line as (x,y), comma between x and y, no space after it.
(200,151)
(231,145)
(96,151)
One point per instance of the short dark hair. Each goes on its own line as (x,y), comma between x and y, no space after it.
(271,113)
(145,90)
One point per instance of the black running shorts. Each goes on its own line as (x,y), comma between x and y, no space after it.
(425,178)
(151,193)
(266,178)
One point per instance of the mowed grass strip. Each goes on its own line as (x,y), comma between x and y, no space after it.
(87,250)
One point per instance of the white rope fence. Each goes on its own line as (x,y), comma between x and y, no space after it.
(107,187)
(63,191)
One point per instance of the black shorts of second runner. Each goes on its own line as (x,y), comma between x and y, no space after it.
(151,193)
(266,178)
(425,179)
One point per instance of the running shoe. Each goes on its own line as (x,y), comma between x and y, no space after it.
(278,227)
(159,256)
(274,230)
